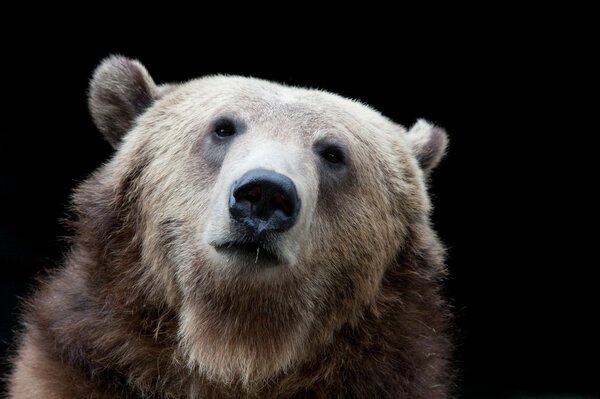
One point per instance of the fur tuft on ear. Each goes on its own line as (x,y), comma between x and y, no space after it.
(429,144)
(120,90)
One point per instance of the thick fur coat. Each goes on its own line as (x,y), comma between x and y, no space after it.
(145,306)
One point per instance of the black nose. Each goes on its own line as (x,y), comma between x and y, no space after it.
(264,201)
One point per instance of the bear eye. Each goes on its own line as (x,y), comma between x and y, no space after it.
(332,155)
(224,128)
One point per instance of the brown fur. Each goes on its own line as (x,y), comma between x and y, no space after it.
(138,311)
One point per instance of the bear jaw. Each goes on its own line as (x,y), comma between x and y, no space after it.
(250,344)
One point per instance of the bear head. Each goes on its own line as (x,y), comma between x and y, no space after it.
(264,216)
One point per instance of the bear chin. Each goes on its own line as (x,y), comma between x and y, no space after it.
(247,327)
(262,356)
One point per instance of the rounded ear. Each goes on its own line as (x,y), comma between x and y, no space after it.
(120,90)
(429,144)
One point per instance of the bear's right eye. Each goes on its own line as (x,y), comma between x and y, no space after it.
(332,155)
(224,128)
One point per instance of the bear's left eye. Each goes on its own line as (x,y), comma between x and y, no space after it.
(225,128)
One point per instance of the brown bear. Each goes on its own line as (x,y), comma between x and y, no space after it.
(247,239)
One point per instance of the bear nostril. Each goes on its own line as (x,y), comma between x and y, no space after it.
(280,202)
(252,193)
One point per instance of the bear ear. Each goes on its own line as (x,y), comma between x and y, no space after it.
(120,90)
(428,143)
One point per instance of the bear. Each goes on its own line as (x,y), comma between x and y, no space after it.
(246,239)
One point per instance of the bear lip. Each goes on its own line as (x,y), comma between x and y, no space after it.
(257,253)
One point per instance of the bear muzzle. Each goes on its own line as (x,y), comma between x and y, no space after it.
(263,204)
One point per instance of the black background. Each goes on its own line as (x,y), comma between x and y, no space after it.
(511,200)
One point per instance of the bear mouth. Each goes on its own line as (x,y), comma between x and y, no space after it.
(251,252)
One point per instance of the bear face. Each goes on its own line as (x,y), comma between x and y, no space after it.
(246,239)
(253,297)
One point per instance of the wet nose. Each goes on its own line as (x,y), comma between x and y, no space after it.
(264,201)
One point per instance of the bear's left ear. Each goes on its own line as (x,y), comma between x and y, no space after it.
(120,90)
(428,143)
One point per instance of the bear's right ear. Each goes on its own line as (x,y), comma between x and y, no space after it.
(120,90)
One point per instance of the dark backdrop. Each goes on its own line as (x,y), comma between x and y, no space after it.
(509,198)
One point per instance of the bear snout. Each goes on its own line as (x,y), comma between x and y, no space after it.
(264,202)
